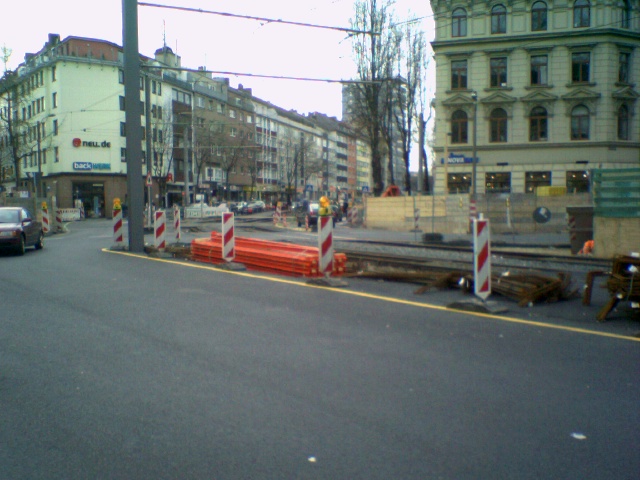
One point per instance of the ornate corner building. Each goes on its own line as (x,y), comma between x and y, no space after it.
(534,93)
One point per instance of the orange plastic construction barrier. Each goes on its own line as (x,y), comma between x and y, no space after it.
(267,256)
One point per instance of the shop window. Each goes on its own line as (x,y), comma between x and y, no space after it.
(498,182)
(577,181)
(459,183)
(534,180)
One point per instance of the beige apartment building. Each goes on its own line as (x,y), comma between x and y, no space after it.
(538,93)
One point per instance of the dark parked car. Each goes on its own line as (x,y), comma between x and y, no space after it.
(307,209)
(20,229)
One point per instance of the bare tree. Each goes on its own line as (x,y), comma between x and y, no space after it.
(287,147)
(373,52)
(412,66)
(17,133)
(161,151)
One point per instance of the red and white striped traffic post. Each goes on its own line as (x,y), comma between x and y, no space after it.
(228,237)
(473,213)
(176,222)
(481,258)
(325,245)
(59,225)
(352,215)
(277,215)
(118,237)
(45,218)
(159,228)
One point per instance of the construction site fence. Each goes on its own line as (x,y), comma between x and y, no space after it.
(449,214)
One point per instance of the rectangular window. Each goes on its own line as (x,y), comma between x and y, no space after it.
(539,70)
(458,74)
(54,99)
(123,154)
(121,101)
(153,86)
(121,77)
(220,108)
(55,127)
(233,131)
(44,156)
(232,113)
(498,182)
(498,68)
(534,180)
(53,73)
(580,67)
(123,129)
(56,155)
(577,181)
(623,67)
(159,112)
(249,119)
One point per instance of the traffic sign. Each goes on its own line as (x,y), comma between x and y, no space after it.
(542,215)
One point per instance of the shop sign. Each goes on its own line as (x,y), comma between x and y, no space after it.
(88,166)
(456,159)
(77,142)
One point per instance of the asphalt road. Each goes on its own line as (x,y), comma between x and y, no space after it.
(118,366)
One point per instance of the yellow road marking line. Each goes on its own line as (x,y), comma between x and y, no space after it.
(400,301)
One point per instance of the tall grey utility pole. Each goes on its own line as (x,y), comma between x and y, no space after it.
(135,184)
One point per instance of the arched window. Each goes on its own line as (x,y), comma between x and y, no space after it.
(623,123)
(498,126)
(538,17)
(538,125)
(626,15)
(459,23)
(581,14)
(580,123)
(499,19)
(459,127)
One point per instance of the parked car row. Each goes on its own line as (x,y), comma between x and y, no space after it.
(246,208)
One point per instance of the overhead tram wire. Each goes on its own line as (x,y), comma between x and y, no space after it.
(351,31)
(257,75)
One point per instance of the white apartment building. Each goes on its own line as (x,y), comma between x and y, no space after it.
(538,93)
(71,109)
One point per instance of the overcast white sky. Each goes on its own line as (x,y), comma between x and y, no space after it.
(219,43)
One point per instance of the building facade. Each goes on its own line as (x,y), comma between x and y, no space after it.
(202,139)
(537,93)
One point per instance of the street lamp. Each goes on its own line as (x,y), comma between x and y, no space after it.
(474,160)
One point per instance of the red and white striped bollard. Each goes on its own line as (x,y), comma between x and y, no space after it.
(325,245)
(159,227)
(481,258)
(118,237)
(228,237)
(176,222)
